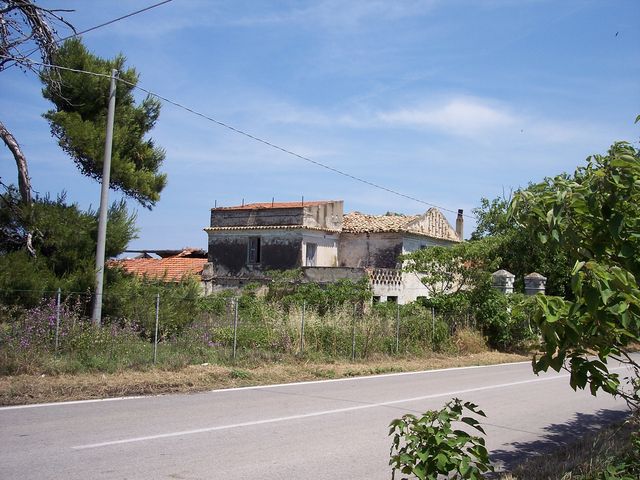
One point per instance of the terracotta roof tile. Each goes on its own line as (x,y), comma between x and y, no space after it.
(172,269)
(431,224)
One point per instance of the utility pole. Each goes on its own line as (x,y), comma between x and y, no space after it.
(104,203)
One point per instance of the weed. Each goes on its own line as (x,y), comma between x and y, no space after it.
(239,374)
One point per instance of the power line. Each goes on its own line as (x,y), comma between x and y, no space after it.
(150,7)
(253,137)
(77,34)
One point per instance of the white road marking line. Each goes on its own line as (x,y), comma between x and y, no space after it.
(366,377)
(72,402)
(310,415)
(259,387)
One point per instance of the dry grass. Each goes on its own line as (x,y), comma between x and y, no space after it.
(469,341)
(584,459)
(25,389)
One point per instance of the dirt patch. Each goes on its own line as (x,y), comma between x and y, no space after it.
(27,389)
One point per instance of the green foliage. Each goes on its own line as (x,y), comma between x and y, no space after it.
(132,300)
(430,446)
(504,319)
(517,248)
(65,244)
(79,119)
(594,216)
(453,269)
(24,279)
(287,289)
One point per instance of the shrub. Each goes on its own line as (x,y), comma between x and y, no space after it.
(132,300)
(428,446)
(504,319)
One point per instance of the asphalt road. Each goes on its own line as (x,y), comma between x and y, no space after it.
(321,430)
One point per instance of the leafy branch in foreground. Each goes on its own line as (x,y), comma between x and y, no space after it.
(429,446)
(594,216)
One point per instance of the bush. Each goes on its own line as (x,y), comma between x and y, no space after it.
(429,447)
(503,319)
(132,300)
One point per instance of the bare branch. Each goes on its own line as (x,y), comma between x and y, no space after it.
(24,182)
(23,23)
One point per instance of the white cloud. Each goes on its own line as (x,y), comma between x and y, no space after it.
(464,116)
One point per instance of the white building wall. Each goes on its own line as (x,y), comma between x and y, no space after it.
(327,248)
(412,286)
(413,243)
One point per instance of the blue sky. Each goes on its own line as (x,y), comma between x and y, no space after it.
(447,101)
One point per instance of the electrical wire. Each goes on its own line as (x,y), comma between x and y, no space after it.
(150,7)
(253,137)
(91,29)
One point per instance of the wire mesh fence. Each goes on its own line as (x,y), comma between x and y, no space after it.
(146,327)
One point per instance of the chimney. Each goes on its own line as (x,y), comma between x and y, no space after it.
(460,225)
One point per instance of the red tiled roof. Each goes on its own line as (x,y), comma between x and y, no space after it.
(258,206)
(171,269)
(431,224)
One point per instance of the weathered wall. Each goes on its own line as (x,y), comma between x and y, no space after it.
(327,250)
(380,250)
(332,274)
(326,215)
(411,243)
(412,288)
(407,287)
(279,250)
(221,217)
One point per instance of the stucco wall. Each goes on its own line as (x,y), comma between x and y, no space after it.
(332,274)
(380,250)
(327,248)
(279,250)
(411,243)
(326,215)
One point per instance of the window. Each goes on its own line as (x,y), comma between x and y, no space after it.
(253,251)
(392,299)
(312,249)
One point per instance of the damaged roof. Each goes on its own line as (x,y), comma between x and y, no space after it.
(431,224)
(170,269)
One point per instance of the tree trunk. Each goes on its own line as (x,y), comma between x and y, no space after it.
(24,182)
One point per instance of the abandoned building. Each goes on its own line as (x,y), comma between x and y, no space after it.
(247,241)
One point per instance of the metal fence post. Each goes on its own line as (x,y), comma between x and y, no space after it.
(353,336)
(235,326)
(155,340)
(58,319)
(433,324)
(304,306)
(398,328)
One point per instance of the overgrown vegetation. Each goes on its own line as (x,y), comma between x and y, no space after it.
(195,329)
(589,220)
(594,217)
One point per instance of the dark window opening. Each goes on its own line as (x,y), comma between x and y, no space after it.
(312,248)
(392,299)
(253,254)
(376,299)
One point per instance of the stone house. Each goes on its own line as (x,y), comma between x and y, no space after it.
(247,241)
